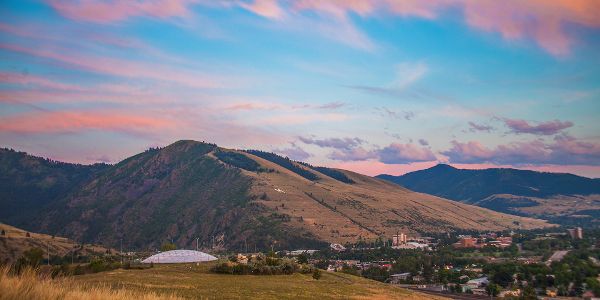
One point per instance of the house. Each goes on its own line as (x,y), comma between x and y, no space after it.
(397,278)
(337,247)
(475,284)
(418,278)
(466,242)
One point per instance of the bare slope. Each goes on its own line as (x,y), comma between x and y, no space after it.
(370,207)
(15,241)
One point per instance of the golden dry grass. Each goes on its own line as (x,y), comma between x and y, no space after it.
(31,285)
(15,242)
(196,282)
(337,212)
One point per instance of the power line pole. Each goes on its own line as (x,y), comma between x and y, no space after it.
(121,251)
(197,243)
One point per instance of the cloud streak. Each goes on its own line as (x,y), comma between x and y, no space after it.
(543,128)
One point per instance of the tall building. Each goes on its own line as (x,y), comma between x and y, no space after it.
(576,233)
(399,239)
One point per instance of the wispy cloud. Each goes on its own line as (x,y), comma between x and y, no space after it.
(479,127)
(542,128)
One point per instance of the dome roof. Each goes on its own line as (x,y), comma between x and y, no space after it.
(179,256)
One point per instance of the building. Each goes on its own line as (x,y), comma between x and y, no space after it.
(179,256)
(465,242)
(474,284)
(412,245)
(398,278)
(399,239)
(299,252)
(337,247)
(576,233)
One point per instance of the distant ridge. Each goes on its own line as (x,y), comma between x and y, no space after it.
(506,190)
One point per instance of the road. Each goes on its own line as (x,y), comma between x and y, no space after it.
(452,295)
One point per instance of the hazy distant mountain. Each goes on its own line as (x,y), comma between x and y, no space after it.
(233,199)
(508,190)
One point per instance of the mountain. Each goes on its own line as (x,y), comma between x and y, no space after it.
(557,196)
(28,183)
(233,199)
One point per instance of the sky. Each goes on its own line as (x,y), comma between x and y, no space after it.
(373,86)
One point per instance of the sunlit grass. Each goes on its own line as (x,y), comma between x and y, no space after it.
(32,285)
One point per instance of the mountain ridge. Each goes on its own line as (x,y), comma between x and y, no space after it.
(504,189)
(231,198)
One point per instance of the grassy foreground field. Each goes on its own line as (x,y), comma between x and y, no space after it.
(191,281)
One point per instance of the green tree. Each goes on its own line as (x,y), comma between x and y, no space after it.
(168,247)
(492,289)
(316,274)
(502,277)
(529,293)
(33,256)
(302,258)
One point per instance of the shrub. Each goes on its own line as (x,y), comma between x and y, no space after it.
(168,247)
(316,274)
(260,266)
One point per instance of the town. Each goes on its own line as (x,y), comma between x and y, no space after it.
(543,264)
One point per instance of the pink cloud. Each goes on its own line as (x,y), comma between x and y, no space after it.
(540,20)
(76,121)
(543,128)
(266,8)
(405,153)
(122,68)
(353,154)
(37,81)
(565,150)
(118,10)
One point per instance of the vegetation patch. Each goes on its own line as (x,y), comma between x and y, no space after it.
(333,173)
(262,265)
(241,161)
(286,163)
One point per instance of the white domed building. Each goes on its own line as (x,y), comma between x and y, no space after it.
(179,256)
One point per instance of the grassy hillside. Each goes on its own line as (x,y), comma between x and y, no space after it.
(539,194)
(15,241)
(191,281)
(368,208)
(178,193)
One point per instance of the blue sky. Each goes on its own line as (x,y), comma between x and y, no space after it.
(375,86)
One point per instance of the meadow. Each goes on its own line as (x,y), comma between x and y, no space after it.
(191,281)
